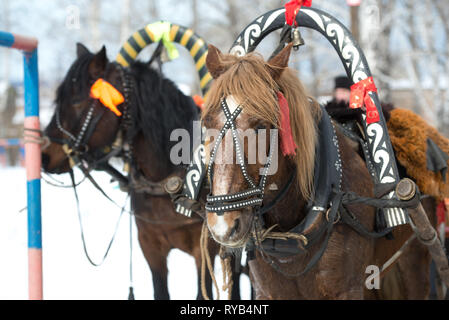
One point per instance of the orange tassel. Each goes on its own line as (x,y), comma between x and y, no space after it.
(109,96)
(199,101)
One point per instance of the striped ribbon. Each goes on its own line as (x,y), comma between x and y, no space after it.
(184,36)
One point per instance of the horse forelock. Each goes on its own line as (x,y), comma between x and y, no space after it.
(250,83)
(76,80)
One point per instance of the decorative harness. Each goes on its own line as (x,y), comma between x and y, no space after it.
(251,197)
(327,206)
(323,211)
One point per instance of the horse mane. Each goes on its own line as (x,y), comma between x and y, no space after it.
(249,81)
(157,106)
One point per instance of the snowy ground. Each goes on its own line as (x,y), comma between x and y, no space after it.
(67,272)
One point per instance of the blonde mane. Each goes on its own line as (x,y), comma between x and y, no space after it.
(250,82)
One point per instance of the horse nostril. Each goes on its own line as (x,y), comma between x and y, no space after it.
(45,161)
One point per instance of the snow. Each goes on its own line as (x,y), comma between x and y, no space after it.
(67,272)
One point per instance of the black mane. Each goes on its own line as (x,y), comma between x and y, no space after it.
(158,108)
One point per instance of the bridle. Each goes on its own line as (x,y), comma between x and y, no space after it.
(75,145)
(78,143)
(253,196)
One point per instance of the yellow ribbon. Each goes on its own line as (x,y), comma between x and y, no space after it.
(161,30)
(109,96)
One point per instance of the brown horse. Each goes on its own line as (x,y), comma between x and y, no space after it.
(408,277)
(246,96)
(152,109)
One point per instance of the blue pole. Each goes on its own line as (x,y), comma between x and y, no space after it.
(32,157)
(33,166)
(6,39)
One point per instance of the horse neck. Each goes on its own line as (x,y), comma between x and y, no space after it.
(149,162)
(148,156)
(289,211)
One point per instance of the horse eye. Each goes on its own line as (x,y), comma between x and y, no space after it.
(260,126)
(77,101)
(207,119)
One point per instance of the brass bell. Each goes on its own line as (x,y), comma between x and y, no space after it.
(297,39)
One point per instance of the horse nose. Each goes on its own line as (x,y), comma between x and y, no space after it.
(224,226)
(45,161)
(235,228)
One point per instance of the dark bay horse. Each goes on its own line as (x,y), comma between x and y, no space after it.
(246,203)
(408,278)
(152,109)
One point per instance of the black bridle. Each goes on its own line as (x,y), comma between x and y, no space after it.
(254,195)
(79,143)
(75,145)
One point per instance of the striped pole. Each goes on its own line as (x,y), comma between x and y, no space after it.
(184,36)
(32,158)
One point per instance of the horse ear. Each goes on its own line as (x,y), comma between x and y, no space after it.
(279,62)
(213,62)
(98,63)
(81,49)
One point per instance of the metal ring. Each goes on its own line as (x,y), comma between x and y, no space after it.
(337,218)
(430,241)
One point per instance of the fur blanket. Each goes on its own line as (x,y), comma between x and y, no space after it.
(409,135)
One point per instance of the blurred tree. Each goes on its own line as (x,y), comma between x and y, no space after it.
(125,28)
(442,11)
(381,47)
(6,26)
(7,128)
(94,24)
(153,9)
(404,49)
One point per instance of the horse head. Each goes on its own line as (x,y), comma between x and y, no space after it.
(248,96)
(81,125)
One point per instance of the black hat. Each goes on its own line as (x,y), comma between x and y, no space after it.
(343,82)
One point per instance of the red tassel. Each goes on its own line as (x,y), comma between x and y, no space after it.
(440,213)
(292,8)
(288,145)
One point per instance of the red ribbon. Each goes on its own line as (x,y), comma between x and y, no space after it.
(292,8)
(441,213)
(360,97)
(288,145)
